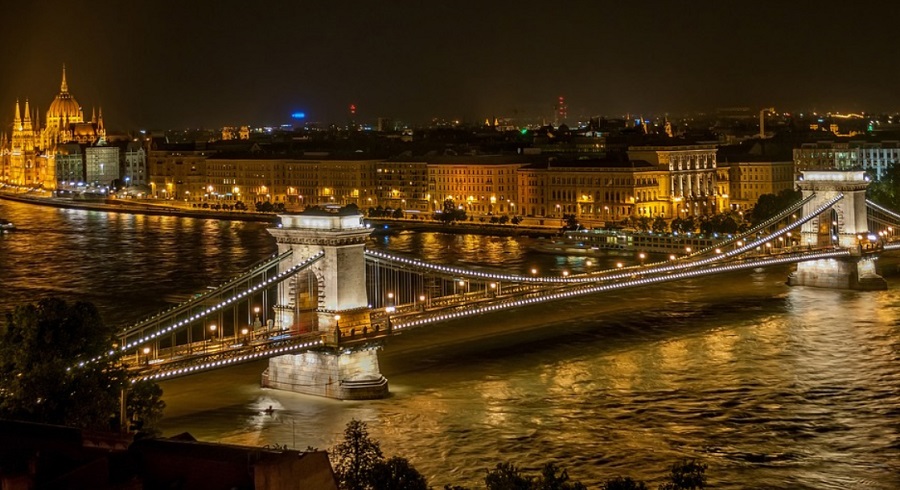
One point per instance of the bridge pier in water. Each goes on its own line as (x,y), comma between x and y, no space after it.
(329,298)
(845,225)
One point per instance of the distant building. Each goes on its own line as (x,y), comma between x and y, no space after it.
(69,164)
(691,175)
(481,184)
(31,151)
(101,165)
(873,156)
(135,164)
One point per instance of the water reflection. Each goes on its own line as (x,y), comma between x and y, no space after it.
(774,387)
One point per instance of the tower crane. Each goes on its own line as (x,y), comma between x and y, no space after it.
(762,121)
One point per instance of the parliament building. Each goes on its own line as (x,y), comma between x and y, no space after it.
(28,157)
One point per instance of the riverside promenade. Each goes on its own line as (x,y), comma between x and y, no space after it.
(380,226)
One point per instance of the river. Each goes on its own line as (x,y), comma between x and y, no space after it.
(771,386)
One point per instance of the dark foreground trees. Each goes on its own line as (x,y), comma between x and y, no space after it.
(41,346)
(360,465)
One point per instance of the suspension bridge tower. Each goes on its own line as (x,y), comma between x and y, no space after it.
(328,297)
(844,225)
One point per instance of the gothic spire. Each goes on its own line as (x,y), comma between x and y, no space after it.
(27,112)
(18,118)
(64,87)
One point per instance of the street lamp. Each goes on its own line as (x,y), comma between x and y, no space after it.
(147,354)
(256,322)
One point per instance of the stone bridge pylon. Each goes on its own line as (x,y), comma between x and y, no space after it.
(844,225)
(329,297)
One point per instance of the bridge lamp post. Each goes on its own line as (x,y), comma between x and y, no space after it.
(422,301)
(534,272)
(390,301)
(565,273)
(212,333)
(641,257)
(337,329)
(244,332)
(688,250)
(256,322)
(146,355)
(672,257)
(768,247)
(493,289)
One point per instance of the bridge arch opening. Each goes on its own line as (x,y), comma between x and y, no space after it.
(307,299)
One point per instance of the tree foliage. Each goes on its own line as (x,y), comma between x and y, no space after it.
(768,205)
(41,346)
(397,474)
(687,474)
(356,457)
(886,191)
(450,212)
(506,476)
(623,483)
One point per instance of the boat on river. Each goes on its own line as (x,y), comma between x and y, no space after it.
(6,225)
(597,242)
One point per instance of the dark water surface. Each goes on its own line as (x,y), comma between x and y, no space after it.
(773,387)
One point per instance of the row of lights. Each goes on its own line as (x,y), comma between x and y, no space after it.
(719,256)
(221,305)
(622,285)
(226,362)
(765,224)
(275,258)
(566,279)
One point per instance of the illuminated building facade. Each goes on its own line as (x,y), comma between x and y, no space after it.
(691,174)
(875,157)
(32,150)
(403,185)
(481,185)
(101,165)
(748,180)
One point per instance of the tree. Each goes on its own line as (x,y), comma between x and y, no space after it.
(356,457)
(397,474)
(554,478)
(516,220)
(643,223)
(626,483)
(571,222)
(768,205)
(398,213)
(506,476)
(660,225)
(886,191)
(687,474)
(41,346)
(503,219)
(144,403)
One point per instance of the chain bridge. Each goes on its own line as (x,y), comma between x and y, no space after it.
(321,307)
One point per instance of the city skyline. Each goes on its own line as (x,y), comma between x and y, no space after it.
(210,65)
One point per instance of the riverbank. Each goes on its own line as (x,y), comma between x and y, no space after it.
(380,226)
(137,207)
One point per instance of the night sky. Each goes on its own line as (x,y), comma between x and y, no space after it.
(194,63)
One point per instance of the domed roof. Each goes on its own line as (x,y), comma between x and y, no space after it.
(64,105)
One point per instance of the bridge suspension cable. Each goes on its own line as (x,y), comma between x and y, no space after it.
(633,282)
(163,316)
(174,325)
